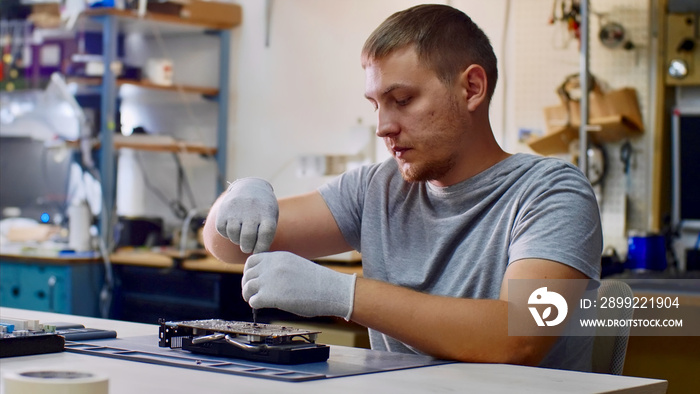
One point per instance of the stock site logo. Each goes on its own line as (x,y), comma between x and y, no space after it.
(543,297)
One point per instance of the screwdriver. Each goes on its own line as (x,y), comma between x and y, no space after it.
(255,316)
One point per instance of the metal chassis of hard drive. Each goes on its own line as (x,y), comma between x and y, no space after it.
(250,341)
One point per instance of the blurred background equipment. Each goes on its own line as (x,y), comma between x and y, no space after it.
(37,188)
(682,52)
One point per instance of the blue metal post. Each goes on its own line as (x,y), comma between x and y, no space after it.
(107,126)
(585,86)
(223,100)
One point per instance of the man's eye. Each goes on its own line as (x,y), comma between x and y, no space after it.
(403,102)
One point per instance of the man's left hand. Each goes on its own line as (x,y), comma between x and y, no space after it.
(286,281)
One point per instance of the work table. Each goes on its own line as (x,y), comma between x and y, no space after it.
(201,262)
(134,377)
(147,284)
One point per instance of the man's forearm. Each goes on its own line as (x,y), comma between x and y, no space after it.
(459,329)
(306,227)
(221,247)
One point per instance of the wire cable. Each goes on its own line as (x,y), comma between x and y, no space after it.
(175,206)
(183,180)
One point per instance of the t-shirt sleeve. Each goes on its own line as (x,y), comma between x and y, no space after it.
(559,220)
(344,197)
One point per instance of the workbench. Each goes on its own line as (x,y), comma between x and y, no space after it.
(135,377)
(58,284)
(147,285)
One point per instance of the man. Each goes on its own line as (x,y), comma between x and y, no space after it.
(442,226)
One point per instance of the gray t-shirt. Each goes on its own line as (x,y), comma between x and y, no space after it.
(457,241)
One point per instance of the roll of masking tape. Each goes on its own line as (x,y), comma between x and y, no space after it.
(55,382)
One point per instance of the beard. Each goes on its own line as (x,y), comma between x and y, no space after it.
(447,131)
(427,170)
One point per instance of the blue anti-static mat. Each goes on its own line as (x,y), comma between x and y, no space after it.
(343,361)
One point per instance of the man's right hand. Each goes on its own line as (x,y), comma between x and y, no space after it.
(248,215)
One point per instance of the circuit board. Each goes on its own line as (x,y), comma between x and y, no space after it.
(251,341)
(256,332)
(22,337)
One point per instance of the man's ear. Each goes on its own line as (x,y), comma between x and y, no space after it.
(474,85)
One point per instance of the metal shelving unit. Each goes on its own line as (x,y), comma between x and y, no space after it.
(111,22)
(585,87)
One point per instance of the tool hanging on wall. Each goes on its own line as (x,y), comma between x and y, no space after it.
(568,13)
(597,161)
(626,152)
(612,35)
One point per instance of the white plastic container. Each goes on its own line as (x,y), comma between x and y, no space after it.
(160,71)
(79,221)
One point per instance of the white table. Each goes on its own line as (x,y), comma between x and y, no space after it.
(134,377)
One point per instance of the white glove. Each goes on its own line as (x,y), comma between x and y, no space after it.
(248,215)
(286,281)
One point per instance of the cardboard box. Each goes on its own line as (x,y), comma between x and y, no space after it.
(613,116)
(46,15)
(620,104)
(215,12)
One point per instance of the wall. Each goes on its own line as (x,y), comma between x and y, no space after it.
(314,86)
(302,92)
(544,58)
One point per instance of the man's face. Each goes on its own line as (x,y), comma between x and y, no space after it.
(420,119)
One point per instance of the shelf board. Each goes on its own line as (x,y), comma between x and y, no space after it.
(206,91)
(154,144)
(132,22)
(608,129)
(161,144)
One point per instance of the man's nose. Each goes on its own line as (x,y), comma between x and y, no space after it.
(386,126)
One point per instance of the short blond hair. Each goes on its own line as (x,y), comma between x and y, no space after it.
(445,39)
